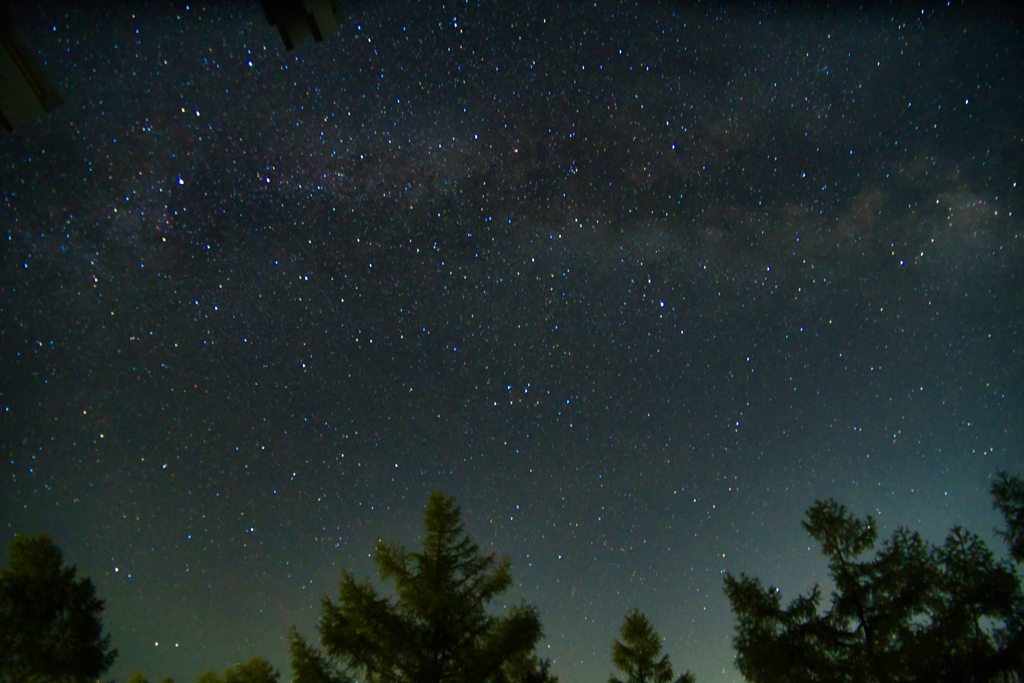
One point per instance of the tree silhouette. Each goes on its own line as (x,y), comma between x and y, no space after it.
(50,628)
(436,628)
(525,668)
(912,612)
(1008,494)
(310,664)
(256,670)
(637,654)
(139,677)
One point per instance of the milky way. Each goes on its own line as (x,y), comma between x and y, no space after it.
(636,283)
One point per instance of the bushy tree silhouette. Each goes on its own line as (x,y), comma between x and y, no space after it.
(139,677)
(436,629)
(256,670)
(50,628)
(913,612)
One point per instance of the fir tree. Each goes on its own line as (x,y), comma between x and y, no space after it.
(636,655)
(436,629)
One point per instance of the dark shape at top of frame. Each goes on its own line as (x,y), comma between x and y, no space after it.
(25,91)
(300,19)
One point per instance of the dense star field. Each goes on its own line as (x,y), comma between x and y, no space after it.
(636,282)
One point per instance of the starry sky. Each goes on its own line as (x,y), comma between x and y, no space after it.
(636,282)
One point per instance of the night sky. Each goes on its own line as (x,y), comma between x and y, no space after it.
(636,282)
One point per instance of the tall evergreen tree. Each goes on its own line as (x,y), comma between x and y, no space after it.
(436,629)
(310,664)
(256,670)
(139,677)
(912,612)
(636,655)
(525,668)
(50,628)
(1008,499)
